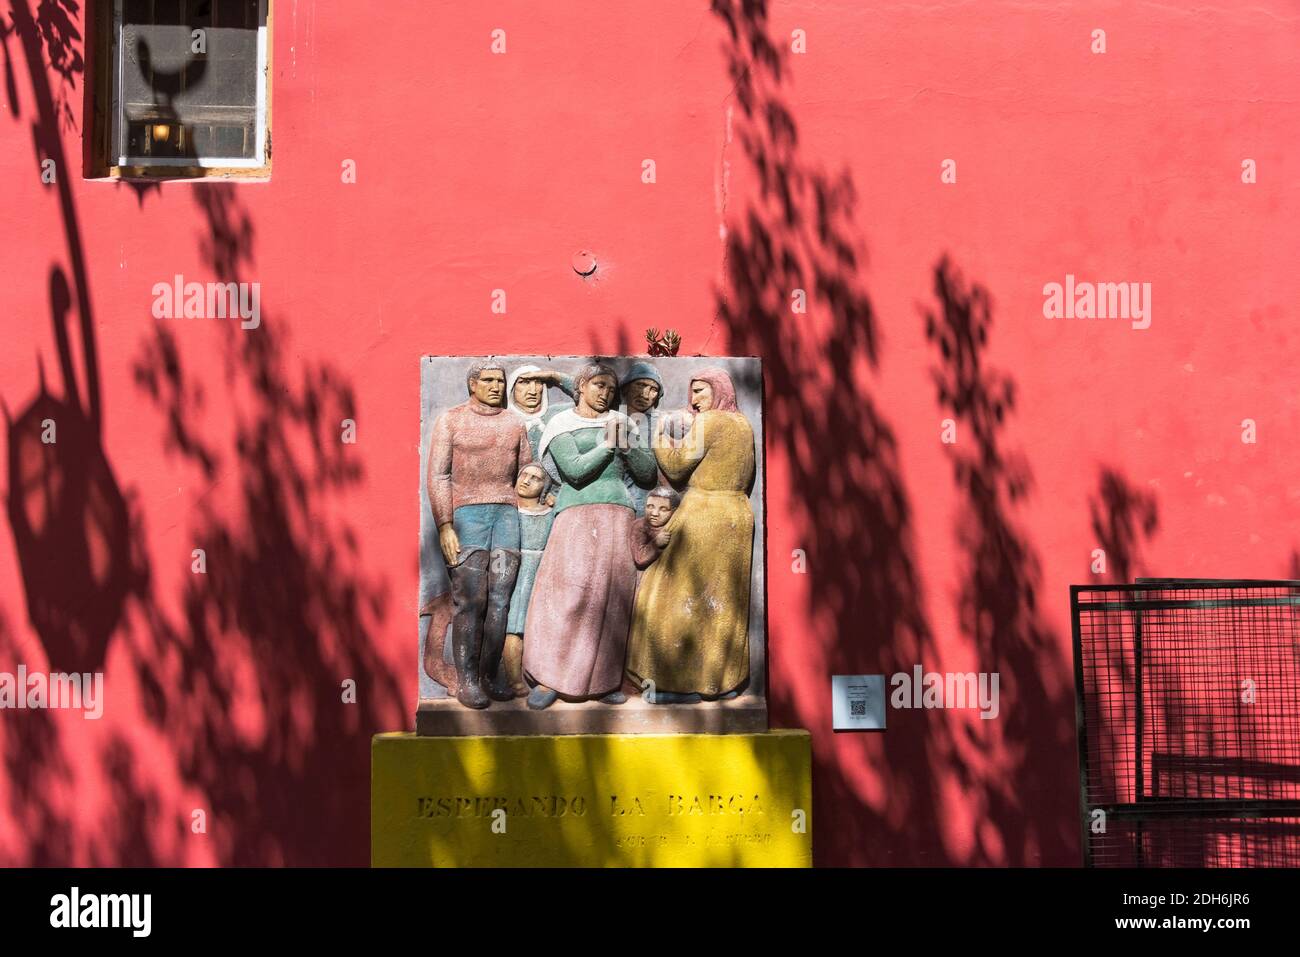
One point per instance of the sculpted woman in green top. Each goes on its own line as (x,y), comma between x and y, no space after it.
(581,605)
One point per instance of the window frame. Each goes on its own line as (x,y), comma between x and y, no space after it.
(106,157)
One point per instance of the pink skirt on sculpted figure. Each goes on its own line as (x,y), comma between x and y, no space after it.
(575,636)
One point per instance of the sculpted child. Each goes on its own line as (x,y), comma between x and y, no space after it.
(535,517)
(650,535)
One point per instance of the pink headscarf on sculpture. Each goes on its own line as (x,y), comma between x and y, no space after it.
(724,393)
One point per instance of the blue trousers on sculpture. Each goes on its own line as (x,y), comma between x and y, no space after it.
(481,584)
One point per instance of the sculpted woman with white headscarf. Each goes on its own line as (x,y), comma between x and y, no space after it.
(528,397)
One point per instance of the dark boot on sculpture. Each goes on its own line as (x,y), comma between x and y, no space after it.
(502,570)
(469,590)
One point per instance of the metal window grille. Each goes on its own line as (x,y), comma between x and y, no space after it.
(1188,709)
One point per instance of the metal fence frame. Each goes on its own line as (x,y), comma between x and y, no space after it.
(1146,809)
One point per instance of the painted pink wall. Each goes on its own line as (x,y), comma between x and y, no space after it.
(478,171)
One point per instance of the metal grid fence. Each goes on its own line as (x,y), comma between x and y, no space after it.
(1188,709)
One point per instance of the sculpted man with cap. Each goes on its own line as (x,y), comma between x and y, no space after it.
(642,388)
(475,453)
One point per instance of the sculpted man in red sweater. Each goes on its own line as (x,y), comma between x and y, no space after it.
(475,453)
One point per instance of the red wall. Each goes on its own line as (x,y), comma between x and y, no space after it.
(775,171)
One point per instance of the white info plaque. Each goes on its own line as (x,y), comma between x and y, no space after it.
(858,702)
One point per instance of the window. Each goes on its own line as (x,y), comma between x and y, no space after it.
(188,88)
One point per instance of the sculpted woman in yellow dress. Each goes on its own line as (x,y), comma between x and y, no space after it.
(690,626)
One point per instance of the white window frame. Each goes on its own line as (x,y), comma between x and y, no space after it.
(257,161)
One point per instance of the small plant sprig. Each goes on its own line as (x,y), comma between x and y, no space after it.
(667,346)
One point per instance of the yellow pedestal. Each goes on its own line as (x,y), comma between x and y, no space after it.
(660,800)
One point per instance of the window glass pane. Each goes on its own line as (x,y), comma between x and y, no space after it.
(169,11)
(237,13)
(198,13)
(157,140)
(176,102)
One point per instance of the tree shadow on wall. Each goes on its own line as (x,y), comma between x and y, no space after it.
(284,586)
(848,499)
(891,798)
(243,697)
(70,519)
(68,516)
(1123,516)
(1028,760)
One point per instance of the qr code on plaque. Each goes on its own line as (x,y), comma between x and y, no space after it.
(857,709)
